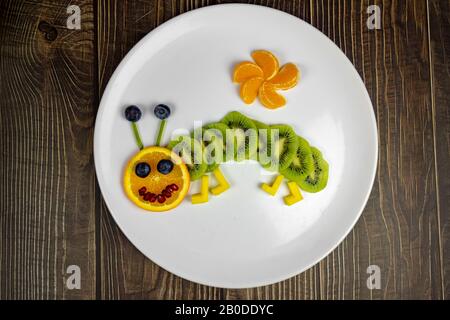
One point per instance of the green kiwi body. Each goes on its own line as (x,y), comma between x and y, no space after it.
(263,150)
(214,135)
(317,180)
(244,135)
(302,165)
(186,148)
(295,159)
(283,143)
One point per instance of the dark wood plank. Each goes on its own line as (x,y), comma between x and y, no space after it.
(47,177)
(439,27)
(399,229)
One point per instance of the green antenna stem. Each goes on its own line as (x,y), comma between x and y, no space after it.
(162,126)
(137,136)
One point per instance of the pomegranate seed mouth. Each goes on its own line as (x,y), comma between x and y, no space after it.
(166,193)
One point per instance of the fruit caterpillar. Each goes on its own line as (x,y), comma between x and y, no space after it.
(158,178)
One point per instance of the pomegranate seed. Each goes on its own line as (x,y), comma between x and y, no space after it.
(147,196)
(166,193)
(161,198)
(153,197)
(173,187)
(142,191)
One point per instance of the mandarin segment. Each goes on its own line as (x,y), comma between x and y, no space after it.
(269,97)
(286,78)
(267,61)
(249,89)
(246,70)
(249,75)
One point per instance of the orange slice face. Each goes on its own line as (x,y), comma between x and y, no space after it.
(267,61)
(286,78)
(156,191)
(246,70)
(269,97)
(249,89)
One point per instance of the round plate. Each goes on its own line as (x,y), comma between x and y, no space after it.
(244,237)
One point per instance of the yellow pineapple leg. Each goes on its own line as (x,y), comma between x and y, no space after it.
(272,190)
(295,195)
(223,184)
(202,197)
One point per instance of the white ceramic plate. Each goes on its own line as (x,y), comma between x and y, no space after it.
(243,238)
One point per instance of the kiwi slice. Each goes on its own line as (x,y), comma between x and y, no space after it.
(214,135)
(318,178)
(243,134)
(282,142)
(303,163)
(262,153)
(191,151)
(260,125)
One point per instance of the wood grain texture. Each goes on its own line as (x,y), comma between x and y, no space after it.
(439,28)
(46,172)
(51,212)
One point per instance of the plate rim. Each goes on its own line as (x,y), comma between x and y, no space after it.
(102,107)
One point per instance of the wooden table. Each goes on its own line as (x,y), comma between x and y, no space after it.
(51,210)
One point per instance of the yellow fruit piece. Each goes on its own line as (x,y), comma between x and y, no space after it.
(286,78)
(202,197)
(269,97)
(295,195)
(223,184)
(272,190)
(250,88)
(246,70)
(155,183)
(267,61)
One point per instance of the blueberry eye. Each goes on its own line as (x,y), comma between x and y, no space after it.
(162,111)
(133,113)
(142,169)
(165,166)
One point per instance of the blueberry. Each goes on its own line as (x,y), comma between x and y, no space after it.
(142,169)
(165,166)
(162,111)
(133,113)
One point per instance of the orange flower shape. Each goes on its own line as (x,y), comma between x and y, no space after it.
(263,78)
